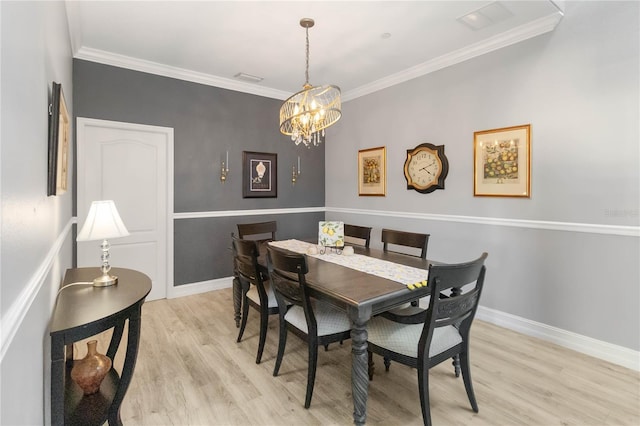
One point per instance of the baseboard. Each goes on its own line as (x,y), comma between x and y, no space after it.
(597,348)
(199,287)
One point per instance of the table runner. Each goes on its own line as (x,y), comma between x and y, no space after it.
(407,275)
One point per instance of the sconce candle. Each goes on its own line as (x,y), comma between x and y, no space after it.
(225,169)
(295,173)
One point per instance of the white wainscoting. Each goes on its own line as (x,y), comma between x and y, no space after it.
(12,319)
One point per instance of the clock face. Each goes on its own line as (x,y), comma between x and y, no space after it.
(426,168)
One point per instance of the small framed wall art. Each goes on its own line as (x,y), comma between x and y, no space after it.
(372,171)
(502,162)
(259,175)
(59,135)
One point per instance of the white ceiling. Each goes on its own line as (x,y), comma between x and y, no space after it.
(210,42)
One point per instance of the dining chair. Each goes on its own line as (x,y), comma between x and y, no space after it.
(237,288)
(359,233)
(405,239)
(260,231)
(256,289)
(412,240)
(314,321)
(444,332)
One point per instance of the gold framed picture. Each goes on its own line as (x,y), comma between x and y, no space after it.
(59,136)
(372,172)
(502,162)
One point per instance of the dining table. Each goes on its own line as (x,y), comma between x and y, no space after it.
(360,294)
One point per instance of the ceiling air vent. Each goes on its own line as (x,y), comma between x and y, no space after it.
(248,77)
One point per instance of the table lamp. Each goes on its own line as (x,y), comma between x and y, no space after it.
(103,222)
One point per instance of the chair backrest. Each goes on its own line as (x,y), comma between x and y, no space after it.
(406,239)
(460,307)
(359,232)
(262,231)
(287,272)
(246,262)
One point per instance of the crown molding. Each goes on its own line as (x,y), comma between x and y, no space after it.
(122,61)
(524,32)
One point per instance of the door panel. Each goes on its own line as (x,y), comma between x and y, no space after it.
(130,164)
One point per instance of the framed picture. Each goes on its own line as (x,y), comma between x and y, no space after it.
(59,135)
(259,175)
(372,171)
(502,162)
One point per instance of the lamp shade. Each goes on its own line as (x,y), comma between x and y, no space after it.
(102,222)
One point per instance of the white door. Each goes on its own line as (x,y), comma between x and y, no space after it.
(131,164)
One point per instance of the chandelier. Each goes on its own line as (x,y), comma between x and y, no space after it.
(307,113)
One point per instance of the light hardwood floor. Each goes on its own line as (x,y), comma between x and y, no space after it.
(191,371)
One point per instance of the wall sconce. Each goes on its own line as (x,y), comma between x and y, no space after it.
(225,169)
(295,174)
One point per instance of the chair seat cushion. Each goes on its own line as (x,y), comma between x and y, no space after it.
(253,294)
(330,319)
(404,338)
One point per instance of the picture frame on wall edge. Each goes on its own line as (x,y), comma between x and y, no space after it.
(58,143)
(502,162)
(259,175)
(372,172)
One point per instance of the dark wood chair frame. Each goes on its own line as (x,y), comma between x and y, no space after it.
(360,232)
(249,273)
(458,310)
(287,271)
(245,229)
(407,239)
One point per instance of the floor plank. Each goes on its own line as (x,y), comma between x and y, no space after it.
(191,371)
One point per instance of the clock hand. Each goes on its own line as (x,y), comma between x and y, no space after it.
(425,168)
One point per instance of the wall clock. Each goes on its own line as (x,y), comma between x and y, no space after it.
(426,168)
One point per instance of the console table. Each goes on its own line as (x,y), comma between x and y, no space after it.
(82,311)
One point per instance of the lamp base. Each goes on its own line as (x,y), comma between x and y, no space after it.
(105,280)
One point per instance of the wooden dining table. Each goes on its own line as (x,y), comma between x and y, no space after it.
(361,295)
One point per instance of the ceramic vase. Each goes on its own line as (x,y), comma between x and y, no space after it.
(89,372)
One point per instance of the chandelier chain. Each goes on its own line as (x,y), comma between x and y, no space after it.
(306,73)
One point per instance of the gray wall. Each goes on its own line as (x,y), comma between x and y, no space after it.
(207,122)
(578,87)
(36,241)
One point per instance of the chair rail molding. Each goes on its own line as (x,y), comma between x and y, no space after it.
(253,212)
(12,319)
(626,231)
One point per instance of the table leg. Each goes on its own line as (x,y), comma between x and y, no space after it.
(359,365)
